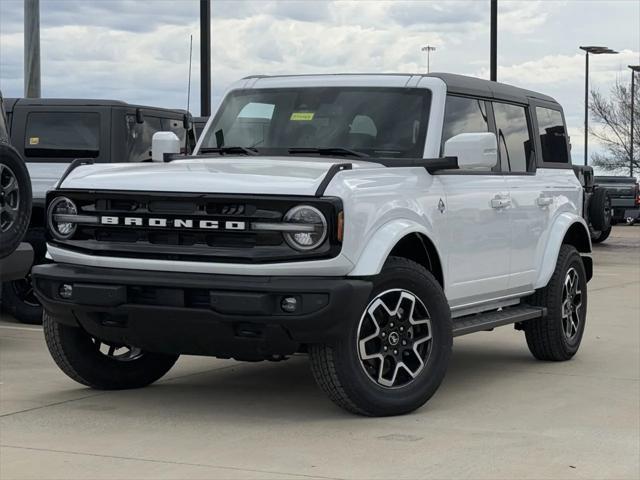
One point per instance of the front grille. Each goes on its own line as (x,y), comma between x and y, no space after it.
(174,242)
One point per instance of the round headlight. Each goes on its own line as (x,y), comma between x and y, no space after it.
(59,228)
(313,229)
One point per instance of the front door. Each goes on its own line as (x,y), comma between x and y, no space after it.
(478,237)
(477,203)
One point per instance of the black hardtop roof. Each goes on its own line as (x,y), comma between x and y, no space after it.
(462,84)
(85,102)
(487,88)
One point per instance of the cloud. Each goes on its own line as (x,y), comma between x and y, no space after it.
(137,51)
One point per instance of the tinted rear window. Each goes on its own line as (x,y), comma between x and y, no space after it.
(62,135)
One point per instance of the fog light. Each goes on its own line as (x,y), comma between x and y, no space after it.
(65,291)
(289,304)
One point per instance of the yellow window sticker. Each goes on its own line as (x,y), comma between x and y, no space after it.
(302,116)
(34,140)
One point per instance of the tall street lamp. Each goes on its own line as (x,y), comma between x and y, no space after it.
(428,49)
(634,69)
(595,51)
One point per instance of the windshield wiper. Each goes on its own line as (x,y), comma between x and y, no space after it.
(335,151)
(231,150)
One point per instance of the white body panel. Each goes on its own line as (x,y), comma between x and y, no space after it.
(249,175)
(495,238)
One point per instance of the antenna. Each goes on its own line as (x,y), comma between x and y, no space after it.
(186,133)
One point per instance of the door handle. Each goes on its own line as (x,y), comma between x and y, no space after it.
(500,201)
(544,201)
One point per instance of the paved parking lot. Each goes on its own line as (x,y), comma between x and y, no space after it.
(499,413)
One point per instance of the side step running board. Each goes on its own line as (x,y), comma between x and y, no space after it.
(489,320)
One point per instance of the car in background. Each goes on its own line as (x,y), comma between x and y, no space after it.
(49,133)
(625,197)
(15,207)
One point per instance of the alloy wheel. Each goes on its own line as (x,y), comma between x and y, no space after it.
(571,304)
(394,338)
(9,198)
(120,353)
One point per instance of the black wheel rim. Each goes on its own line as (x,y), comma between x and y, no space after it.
(394,338)
(9,198)
(118,353)
(571,304)
(23,290)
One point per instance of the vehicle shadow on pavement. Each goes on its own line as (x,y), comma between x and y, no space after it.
(287,389)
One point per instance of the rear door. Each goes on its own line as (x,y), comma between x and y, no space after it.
(538,195)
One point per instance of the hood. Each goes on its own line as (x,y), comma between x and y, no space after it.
(254,175)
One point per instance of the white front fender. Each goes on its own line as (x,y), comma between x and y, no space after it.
(558,232)
(381,243)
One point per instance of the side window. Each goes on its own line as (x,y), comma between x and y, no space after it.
(553,135)
(139,137)
(62,135)
(514,142)
(464,115)
(176,126)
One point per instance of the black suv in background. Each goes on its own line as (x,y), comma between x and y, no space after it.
(49,133)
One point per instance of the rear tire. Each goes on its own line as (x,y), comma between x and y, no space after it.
(557,336)
(82,358)
(600,236)
(600,210)
(392,359)
(19,300)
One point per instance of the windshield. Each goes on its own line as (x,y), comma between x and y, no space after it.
(379,122)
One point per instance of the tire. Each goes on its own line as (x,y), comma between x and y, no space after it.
(553,337)
(600,210)
(15,199)
(19,300)
(599,237)
(83,360)
(354,383)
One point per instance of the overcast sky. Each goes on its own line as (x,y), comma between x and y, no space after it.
(137,50)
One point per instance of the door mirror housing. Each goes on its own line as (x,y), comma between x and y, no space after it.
(475,151)
(164,143)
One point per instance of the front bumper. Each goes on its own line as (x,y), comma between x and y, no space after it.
(202,314)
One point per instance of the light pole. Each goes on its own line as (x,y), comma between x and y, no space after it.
(595,51)
(634,69)
(428,49)
(493,55)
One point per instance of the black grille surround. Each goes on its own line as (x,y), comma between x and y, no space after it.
(179,244)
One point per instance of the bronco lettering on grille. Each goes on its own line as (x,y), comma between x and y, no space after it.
(173,223)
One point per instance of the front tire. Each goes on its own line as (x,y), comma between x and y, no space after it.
(102,366)
(392,359)
(557,336)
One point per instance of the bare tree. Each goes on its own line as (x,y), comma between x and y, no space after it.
(613,113)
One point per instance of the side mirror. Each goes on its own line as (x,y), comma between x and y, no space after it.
(475,151)
(163,143)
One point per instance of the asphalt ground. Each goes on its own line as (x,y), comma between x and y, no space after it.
(499,413)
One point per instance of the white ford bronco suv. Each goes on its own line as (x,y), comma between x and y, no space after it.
(364,220)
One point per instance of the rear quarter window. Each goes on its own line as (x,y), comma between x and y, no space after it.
(553,136)
(62,135)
